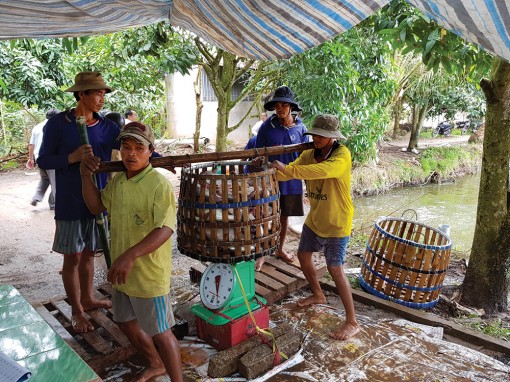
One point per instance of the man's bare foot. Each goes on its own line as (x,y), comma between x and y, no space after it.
(346,331)
(81,324)
(311,300)
(96,304)
(259,263)
(151,372)
(286,257)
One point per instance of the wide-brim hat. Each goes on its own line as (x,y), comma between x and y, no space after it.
(139,132)
(88,81)
(326,125)
(282,94)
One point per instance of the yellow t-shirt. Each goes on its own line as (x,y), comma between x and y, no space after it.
(328,186)
(136,207)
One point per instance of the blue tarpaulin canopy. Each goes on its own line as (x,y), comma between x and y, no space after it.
(261,29)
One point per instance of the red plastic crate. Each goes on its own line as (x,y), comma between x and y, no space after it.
(222,337)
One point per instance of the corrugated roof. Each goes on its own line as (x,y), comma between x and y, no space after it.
(261,29)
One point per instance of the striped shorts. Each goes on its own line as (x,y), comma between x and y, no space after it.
(154,314)
(72,237)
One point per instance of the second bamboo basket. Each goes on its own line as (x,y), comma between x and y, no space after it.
(405,262)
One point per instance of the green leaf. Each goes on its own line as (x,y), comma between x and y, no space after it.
(3,86)
(428,47)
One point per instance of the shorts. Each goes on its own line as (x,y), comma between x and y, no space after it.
(154,315)
(291,205)
(335,248)
(73,236)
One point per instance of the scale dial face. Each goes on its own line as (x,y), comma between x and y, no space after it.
(217,285)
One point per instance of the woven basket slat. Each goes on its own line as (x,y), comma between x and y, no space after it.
(389,248)
(418,263)
(407,261)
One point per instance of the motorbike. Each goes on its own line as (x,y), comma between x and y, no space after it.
(444,128)
(463,126)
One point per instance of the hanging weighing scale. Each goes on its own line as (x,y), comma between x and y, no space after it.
(227,292)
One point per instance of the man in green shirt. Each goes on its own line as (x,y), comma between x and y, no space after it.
(141,204)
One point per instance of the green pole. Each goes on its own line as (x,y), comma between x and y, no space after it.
(100,219)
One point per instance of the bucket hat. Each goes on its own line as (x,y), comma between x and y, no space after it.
(326,125)
(88,81)
(282,94)
(139,132)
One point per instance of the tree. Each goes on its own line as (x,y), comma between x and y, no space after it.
(487,277)
(223,70)
(447,61)
(403,72)
(347,76)
(427,93)
(197,85)
(32,72)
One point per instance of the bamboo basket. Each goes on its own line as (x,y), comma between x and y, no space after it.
(225,215)
(405,262)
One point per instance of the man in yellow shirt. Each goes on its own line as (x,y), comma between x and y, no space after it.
(327,171)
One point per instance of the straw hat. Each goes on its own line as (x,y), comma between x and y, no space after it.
(88,81)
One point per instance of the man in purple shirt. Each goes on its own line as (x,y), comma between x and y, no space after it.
(76,235)
(283,128)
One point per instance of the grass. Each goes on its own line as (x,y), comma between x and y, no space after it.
(493,328)
(442,162)
(9,165)
(446,160)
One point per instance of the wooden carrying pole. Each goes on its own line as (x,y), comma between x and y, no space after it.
(182,160)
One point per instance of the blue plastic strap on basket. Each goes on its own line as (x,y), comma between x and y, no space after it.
(210,206)
(414,305)
(431,272)
(405,241)
(397,284)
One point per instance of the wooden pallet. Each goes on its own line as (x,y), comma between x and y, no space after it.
(276,279)
(106,345)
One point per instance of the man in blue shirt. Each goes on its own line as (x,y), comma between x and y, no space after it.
(76,235)
(283,128)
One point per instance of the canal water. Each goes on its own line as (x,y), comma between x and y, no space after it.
(453,204)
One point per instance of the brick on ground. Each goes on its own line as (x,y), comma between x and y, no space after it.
(261,358)
(225,363)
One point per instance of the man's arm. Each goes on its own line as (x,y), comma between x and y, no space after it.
(122,265)
(30,162)
(91,193)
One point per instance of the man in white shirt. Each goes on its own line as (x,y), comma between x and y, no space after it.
(130,116)
(47,176)
(256,126)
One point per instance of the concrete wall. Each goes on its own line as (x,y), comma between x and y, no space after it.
(185,109)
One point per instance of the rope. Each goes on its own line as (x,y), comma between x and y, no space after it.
(274,348)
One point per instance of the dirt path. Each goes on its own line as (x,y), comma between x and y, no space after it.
(26,259)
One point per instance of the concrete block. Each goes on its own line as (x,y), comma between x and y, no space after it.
(225,363)
(261,359)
